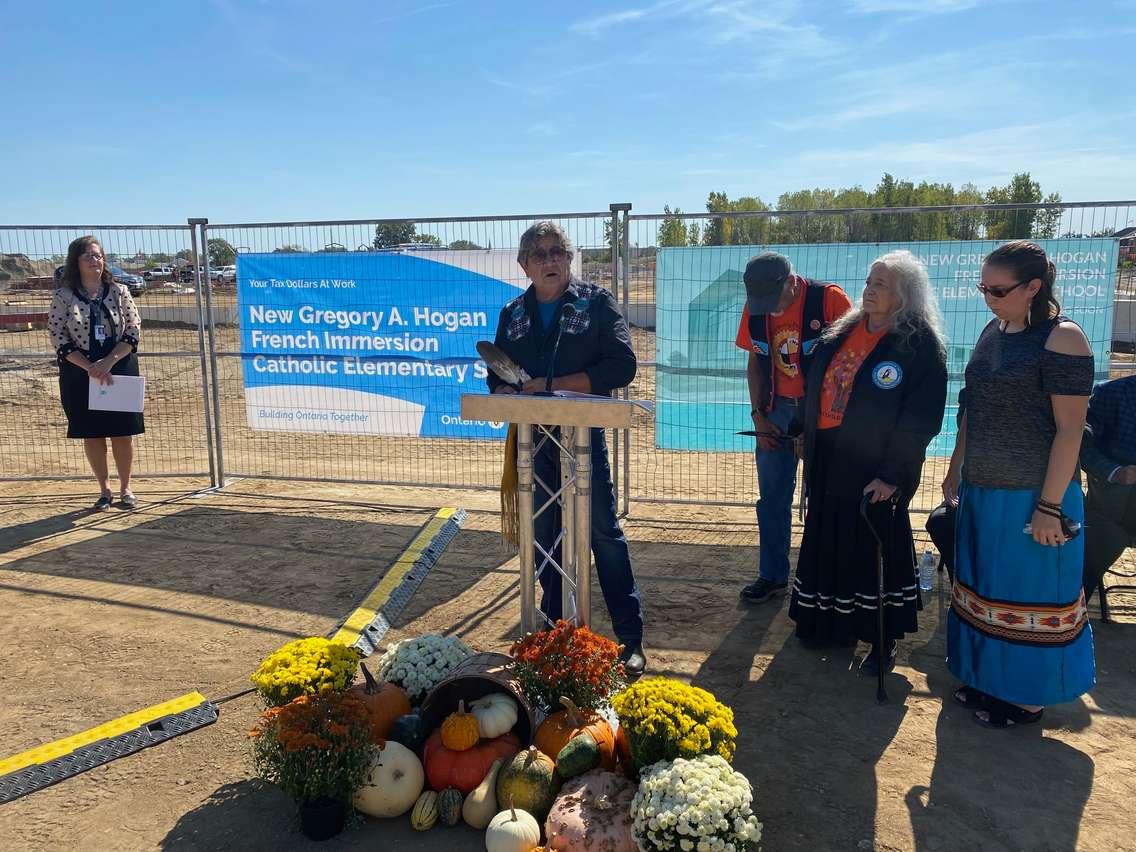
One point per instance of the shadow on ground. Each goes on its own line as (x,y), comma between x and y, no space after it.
(319,565)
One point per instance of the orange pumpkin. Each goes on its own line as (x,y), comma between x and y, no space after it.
(464,769)
(385,703)
(558,728)
(459,731)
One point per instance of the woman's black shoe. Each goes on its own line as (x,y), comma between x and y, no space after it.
(870,664)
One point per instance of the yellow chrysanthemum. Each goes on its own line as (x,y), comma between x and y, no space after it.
(666,719)
(305,667)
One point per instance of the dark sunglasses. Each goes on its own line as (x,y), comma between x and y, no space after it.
(554,253)
(999,292)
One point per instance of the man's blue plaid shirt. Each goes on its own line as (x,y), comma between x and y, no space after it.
(1110,436)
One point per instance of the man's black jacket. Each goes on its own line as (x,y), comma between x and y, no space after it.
(595,341)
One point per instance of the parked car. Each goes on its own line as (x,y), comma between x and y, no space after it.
(223,274)
(185,274)
(158,272)
(134,283)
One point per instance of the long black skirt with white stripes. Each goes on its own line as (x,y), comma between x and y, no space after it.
(835,589)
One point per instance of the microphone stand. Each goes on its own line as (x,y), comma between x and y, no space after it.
(565,314)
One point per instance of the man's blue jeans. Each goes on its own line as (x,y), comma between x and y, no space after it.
(776,481)
(609,546)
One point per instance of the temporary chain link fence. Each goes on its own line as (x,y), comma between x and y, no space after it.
(155,263)
(677,277)
(683,290)
(448,460)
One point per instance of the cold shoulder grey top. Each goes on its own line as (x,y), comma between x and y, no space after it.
(1009,414)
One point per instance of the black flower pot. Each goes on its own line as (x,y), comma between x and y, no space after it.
(322,818)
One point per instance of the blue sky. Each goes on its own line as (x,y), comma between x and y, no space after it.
(239,110)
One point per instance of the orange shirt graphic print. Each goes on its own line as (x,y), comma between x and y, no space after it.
(785,352)
(786,345)
(841,374)
(838,387)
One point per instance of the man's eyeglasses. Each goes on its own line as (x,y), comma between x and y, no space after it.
(91,255)
(554,253)
(999,292)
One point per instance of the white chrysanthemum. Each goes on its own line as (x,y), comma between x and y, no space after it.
(420,663)
(697,804)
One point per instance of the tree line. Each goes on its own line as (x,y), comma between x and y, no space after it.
(675,229)
(799,226)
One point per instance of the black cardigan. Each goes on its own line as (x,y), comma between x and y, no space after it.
(887,424)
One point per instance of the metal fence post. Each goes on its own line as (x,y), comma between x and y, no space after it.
(205,383)
(620,451)
(216,384)
(626,210)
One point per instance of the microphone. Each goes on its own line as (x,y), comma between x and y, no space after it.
(566,313)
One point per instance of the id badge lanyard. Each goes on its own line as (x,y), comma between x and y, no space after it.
(102,327)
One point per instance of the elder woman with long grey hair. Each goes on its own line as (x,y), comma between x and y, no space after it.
(876,393)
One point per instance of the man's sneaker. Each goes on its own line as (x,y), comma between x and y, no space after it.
(762,590)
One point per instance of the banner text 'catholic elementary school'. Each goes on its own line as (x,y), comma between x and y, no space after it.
(369,342)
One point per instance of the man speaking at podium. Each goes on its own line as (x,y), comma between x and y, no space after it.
(570,335)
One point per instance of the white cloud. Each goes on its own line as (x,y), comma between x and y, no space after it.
(901,102)
(666,8)
(933,85)
(406,13)
(916,7)
(596,25)
(774,31)
(1067,153)
(533,90)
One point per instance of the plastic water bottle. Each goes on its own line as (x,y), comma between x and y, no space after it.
(927,568)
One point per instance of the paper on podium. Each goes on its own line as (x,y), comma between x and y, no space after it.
(644,404)
(126,393)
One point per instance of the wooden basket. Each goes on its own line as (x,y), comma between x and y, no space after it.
(473,678)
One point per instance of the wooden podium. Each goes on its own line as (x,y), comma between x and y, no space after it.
(542,416)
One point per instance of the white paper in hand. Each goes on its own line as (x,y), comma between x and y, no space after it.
(126,393)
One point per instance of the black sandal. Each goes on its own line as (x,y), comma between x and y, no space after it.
(971,698)
(1002,714)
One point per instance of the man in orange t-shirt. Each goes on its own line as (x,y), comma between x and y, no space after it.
(780,327)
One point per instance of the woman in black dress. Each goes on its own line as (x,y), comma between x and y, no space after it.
(874,400)
(94,326)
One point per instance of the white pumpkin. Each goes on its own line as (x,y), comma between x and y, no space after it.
(513,830)
(394,781)
(496,714)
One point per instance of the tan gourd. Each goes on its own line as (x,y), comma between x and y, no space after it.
(513,830)
(480,806)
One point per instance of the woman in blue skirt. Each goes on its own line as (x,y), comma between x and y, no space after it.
(1018,635)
